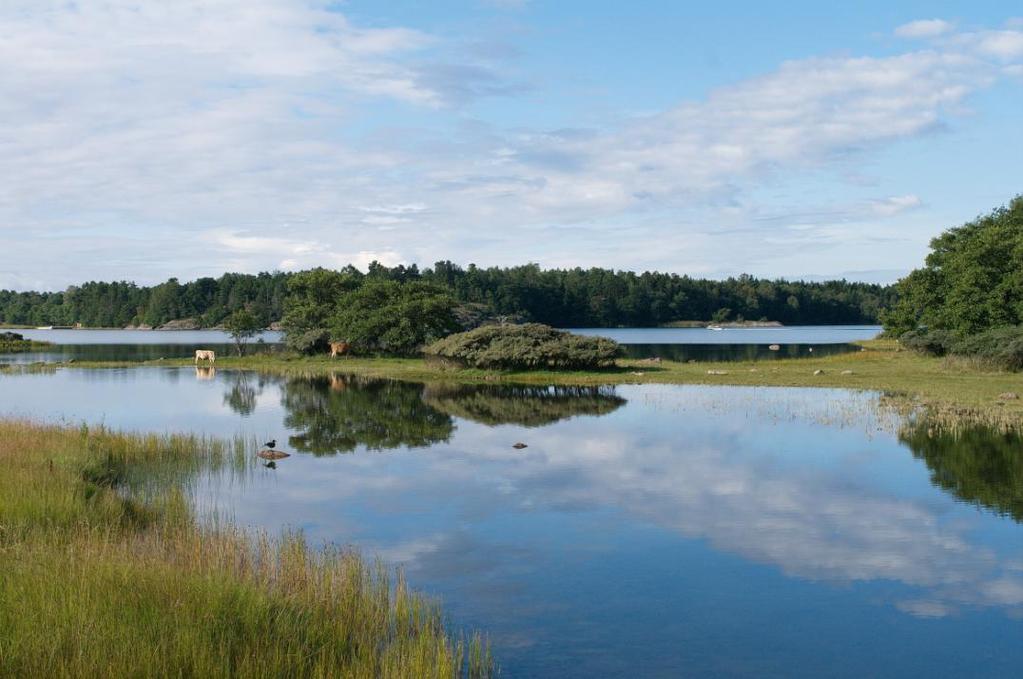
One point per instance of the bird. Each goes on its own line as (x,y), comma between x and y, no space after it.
(271,443)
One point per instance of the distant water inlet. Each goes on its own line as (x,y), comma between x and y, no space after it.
(679,344)
(643,530)
(734,352)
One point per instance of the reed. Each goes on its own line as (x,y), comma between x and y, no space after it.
(106,576)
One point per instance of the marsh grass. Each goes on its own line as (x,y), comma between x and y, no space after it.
(105,575)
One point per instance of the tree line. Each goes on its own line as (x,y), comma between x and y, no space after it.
(558,297)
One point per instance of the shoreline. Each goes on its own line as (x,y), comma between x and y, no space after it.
(949,387)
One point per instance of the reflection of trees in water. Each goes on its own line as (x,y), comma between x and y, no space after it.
(245,389)
(527,405)
(337,413)
(977,464)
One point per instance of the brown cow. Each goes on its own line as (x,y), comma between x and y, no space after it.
(343,348)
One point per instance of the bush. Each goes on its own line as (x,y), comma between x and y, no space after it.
(930,342)
(532,346)
(1000,346)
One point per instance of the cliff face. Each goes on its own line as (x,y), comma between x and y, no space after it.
(181,324)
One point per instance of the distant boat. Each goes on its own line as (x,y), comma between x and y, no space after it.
(714,327)
(45,327)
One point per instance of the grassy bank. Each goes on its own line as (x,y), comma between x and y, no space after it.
(946,386)
(102,576)
(12,342)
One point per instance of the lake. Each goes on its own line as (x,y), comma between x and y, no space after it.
(646,530)
(678,344)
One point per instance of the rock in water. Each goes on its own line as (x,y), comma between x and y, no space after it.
(272,455)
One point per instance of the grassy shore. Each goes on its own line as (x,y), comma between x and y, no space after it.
(947,387)
(103,576)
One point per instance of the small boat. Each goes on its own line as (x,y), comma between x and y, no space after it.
(45,327)
(714,327)
(272,455)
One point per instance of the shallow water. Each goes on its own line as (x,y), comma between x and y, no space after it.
(645,530)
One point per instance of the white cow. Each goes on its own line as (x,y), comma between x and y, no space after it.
(205,355)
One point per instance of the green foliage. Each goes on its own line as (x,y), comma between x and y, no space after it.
(1002,347)
(120,304)
(930,342)
(242,326)
(312,297)
(532,346)
(972,280)
(393,318)
(559,297)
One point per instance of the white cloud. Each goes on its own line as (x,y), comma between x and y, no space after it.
(155,123)
(924,28)
(1001,44)
(893,205)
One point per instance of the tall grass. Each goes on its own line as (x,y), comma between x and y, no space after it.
(100,576)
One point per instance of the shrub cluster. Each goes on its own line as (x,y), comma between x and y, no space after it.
(532,346)
(1001,347)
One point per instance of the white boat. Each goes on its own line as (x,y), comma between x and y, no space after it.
(45,327)
(714,327)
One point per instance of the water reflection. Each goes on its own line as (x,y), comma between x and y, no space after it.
(979,465)
(526,405)
(336,414)
(245,389)
(646,530)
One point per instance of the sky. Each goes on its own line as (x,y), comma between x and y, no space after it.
(186,138)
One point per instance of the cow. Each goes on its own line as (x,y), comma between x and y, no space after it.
(205,355)
(343,348)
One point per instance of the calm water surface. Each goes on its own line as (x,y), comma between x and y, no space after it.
(679,344)
(644,531)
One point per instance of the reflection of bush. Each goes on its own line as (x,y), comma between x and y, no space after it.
(531,406)
(977,464)
(336,414)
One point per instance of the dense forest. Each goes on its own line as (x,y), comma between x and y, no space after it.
(558,297)
(967,299)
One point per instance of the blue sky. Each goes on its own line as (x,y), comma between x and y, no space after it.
(143,140)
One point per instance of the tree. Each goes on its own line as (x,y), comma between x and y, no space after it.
(971,281)
(242,326)
(312,298)
(393,318)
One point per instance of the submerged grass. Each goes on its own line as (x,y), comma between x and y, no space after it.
(967,390)
(98,579)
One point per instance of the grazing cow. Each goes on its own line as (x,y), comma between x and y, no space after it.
(343,348)
(205,355)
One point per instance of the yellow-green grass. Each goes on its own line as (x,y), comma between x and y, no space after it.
(945,386)
(99,579)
